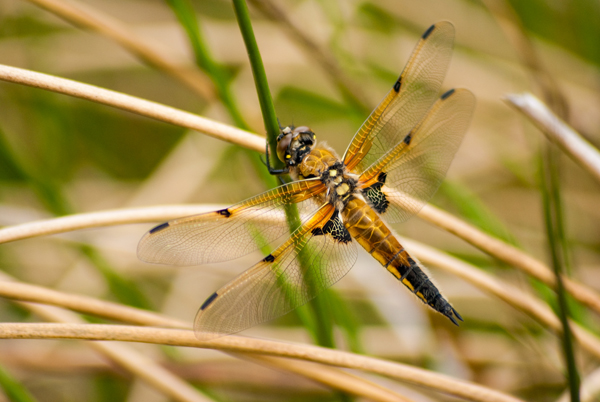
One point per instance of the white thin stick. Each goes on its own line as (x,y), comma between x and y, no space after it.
(557,131)
(133,104)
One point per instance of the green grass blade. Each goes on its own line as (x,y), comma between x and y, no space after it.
(260,77)
(322,332)
(184,11)
(553,219)
(14,390)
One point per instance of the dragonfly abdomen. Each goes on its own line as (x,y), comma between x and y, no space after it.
(378,240)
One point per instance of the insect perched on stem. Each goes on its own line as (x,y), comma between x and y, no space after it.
(393,165)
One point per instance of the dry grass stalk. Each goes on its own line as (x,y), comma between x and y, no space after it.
(139,365)
(238,344)
(331,377)
(85,16)
(509,254)
(133,104)
(494,247)
(127,358)
(570,141)
(512,295)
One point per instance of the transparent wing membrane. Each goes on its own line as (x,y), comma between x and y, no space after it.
(409,174)
(230,233)
(408,101)
(316,256)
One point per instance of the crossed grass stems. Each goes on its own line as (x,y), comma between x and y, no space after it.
(240,346)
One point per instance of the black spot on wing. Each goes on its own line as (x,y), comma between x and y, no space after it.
(375,195)
(408,138)
(428,32)
(208,301)
(335,228)
(225,212)
(159,227)
(269,258)
(397,85)
(447,94)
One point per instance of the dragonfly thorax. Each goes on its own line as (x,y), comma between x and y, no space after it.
(341,185)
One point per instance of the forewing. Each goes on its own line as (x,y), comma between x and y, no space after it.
(316,256)
(229,233)
(403,180)
(410,98)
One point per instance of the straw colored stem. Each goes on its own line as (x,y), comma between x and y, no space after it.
(330,377)
(70,223)
(13,289)
(230,343)
(509,254)
(84,304)
(135,105)
(85,16)
(472,235)
(512,295)
(571,142)
(127,358)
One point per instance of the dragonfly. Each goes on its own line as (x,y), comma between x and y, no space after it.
(394,164)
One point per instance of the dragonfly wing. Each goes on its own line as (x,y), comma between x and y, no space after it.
(404,179)
(229,233)
(317,255)
(406,103)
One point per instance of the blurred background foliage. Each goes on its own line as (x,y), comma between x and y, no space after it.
(60,155)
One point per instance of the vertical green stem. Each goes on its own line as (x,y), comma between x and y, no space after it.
(260,78)
(322,334)
(549,170)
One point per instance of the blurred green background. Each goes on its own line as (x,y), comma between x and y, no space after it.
(60,155)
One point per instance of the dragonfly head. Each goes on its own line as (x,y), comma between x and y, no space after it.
(294,143)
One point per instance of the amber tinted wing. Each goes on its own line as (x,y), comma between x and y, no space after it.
(410,98)
(316,256)
(405,178)
(229,233)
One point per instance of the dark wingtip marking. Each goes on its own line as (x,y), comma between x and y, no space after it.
(208,301)
(225,212)
(408,138)
(159,227)
(428,32)
(269,258)
(447,94)
(397,85)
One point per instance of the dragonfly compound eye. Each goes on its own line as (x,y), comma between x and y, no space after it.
(283,144)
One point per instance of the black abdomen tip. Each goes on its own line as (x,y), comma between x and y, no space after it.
(159,227)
